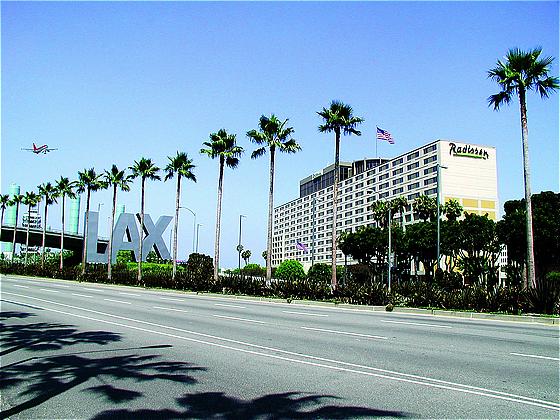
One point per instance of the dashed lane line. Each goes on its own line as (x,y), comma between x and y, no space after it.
(416,323)
(303,313)
(239,319)
(379,337)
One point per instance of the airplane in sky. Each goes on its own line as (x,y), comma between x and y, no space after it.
(40,149)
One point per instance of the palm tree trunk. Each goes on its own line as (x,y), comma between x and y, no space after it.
(218,219)
(84,254)
(335,206)
(2,219)
(15,231)
(61,266)
(110,246)
(44,234)
(530,278)
(177,198)
(141,233)
(27,233)
(270,219)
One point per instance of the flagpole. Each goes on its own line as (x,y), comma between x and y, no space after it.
(376,155)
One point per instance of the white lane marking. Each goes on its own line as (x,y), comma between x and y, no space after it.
(417,323)
(468,389)
(59,285)
(118,301)
(345,333)
(91,290)
(169,309)
(239,319)
(303,313)
(129,294)
(534,356)
(229,306)
(49,290)
(173,299)
(79,294)
(19,285)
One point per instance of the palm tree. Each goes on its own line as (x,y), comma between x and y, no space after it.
(181,165)
(48,193)
(88,181)
(522,71)
(117,179)
(65,188)
(340,119)
(4,202)
(398,205)
(222,146)
(246,255)
(30,199)
(274,135)
(145,169)
(15,201)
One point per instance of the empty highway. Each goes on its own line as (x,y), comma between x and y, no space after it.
(82,350)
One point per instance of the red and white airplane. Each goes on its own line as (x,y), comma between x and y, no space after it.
(40,149)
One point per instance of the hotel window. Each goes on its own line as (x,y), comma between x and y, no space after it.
(413,196)
(430,148)
(413,176)
(385,185)
(397,162)
(430,181)
(398,171)
(348,213)
(430,191)
(430,159)
(413,165)
(397,190)
(347,206)
(359,219)
(359,194)
(413,186)
(384,195)
(384,176)
(397,181)
(413,155)
(430,170)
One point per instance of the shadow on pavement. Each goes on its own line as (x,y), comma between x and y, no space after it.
(38,379)
(289,405)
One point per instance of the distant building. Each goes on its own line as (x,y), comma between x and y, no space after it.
(470,177)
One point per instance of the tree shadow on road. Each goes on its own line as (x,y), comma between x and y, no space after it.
(288,405)
(40,378)
(42,336)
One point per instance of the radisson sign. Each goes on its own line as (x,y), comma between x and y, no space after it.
(468,151)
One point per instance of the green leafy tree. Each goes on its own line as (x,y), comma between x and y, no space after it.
(319,273)
(273,135)
(264,254)
(88,182)
(181,165)
(30,199)
(49,193)
(290,270)
(222,146)
(200,266)
(380,210)
(420,242)
(523,71)
(425,207)
(338,118)
(16,200)
(144,169)
(65,188)
(399,205)
(116,179)
(246,255)
(452,210)
(4,203)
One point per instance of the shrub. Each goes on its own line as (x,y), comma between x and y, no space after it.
(545,298)
(200,267)
(253,270)
(290,270)
(320,273)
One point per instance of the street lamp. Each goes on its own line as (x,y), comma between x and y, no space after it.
(439,167)
(197,227)
(194,223)
(239,246)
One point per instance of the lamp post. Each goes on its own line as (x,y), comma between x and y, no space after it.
(239,246)
(194,223)
(439,167)
(197,227)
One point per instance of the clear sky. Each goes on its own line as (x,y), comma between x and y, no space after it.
(111,82)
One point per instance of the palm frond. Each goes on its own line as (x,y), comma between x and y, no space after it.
(258,153)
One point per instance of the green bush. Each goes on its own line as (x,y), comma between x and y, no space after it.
(290,270)
(320,273)
(253,270)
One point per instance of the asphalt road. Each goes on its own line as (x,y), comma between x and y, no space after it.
(79,350)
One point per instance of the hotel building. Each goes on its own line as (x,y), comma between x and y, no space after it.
(468,175)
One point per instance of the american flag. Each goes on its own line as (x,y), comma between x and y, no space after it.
(301,247)
(384,135)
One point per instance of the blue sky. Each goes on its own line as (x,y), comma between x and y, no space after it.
(110,82)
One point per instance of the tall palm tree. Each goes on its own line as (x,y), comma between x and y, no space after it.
(4,202)
(16,200)
(274,135)
(222,146)
(65,188)
(88,181)
(181,165)
(30,199)
(49,194)
(340,119)
(117,179)
(145,169)
(520,72)
(398,205)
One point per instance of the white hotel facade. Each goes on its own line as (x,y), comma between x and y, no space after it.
(468,175)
